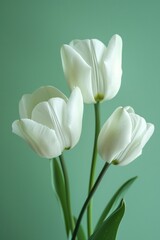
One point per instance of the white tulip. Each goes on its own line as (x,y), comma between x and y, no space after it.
(93,67)
(123,136)
(49,122)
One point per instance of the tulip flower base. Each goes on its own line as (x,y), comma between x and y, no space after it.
(51,124)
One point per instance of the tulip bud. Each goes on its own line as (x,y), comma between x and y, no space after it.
(93,67)
(123,136)
(49,121)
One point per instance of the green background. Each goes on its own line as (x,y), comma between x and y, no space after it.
(31,34)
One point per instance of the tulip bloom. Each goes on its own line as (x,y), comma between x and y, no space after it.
(49,122)
(123,136)
(93,67)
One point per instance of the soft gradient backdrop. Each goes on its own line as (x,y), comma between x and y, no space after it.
(31,34)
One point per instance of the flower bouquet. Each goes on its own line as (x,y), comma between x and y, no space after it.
(51,123)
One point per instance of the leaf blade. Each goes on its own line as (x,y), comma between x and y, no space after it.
(59,189)
(108,229)
(118,194)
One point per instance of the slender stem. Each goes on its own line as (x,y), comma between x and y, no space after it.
(93,166)
(67,189)
(97,182)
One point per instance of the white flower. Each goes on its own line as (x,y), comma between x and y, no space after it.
(93,67)
(123,136)
(49,122)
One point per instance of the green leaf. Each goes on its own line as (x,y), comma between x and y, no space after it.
(80,234)
(119,194)
(59,188)
(108,229)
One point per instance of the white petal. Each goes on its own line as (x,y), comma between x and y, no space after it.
(92,51)
(133,149)
(111,69)
(29,101)
(74,116)
(86,48)
(115,47)
(143,132)
(115,135)
(131,156)
(42,139)
(129,109)
(148,134)
(77,72)
(53,115)
(83,49)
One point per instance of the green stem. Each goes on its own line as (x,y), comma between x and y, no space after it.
(93,166)
(97,182)
(67,189)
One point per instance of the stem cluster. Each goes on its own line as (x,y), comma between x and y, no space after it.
(91,188)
